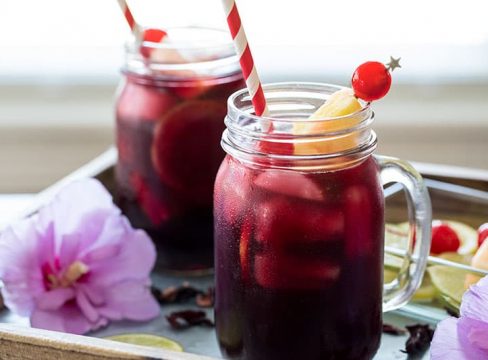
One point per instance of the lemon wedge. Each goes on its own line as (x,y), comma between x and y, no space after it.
(480,261)
(341,103)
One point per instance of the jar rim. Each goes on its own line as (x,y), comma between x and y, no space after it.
(296,86)
(225,42)
(197,52)
(291,103)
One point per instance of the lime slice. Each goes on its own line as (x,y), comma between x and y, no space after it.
(147,340)
(389,275)
(467,235)
(456,257)
(393,262)
(448,281)
(426,292)
(449,304)
(396,236)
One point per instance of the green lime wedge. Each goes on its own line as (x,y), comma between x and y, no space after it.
(456,257)
(389,275)
(426,292)
(147,340)
(393,262)
(396,235)
(448,281)
(449,304)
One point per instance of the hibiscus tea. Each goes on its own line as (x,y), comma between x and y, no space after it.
(303,253)
(299,228)
(170,118)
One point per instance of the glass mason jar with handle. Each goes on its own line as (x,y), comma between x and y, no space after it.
(299,230)
(170,113)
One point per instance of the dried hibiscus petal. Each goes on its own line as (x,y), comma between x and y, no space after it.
(187,318)
(393,330)
(419,340)
(176,294)
(206,300)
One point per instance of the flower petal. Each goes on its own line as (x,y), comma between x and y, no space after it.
(45,239)
(475,300)
(135,259)
(449,344)
(475,332)
(19,265)
(86,307)
(54,299)
(110,313)
(66,319)
(102,253)
(94,294)
(132,300)
(69,248)
(108,243)
(79,208)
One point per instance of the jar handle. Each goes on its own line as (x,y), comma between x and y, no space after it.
(398,292)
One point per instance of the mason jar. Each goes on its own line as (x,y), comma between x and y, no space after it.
(170,111)
(299,230)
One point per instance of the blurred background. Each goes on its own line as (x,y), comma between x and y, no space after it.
(60,62)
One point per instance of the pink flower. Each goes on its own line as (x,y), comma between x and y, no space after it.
(465,338)
(77,263)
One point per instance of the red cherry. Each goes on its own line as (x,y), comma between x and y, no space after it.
(444,238)
(482,233)
(371,81)
(154,35)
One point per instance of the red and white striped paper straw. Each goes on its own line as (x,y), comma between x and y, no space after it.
(134,27)
(245,58)
(152,35)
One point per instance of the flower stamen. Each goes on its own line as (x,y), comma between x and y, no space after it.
(75,271)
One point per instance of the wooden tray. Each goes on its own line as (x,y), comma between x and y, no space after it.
(21,342)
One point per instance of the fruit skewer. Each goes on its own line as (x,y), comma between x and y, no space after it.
(434,260)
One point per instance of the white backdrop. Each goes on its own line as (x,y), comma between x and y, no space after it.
(81,41)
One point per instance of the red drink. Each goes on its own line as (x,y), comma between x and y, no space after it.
(297,253)
(299,227)
(169,124)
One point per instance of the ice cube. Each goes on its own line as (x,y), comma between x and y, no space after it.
(289,183)
(279,271)
(232,189)
(282,223)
